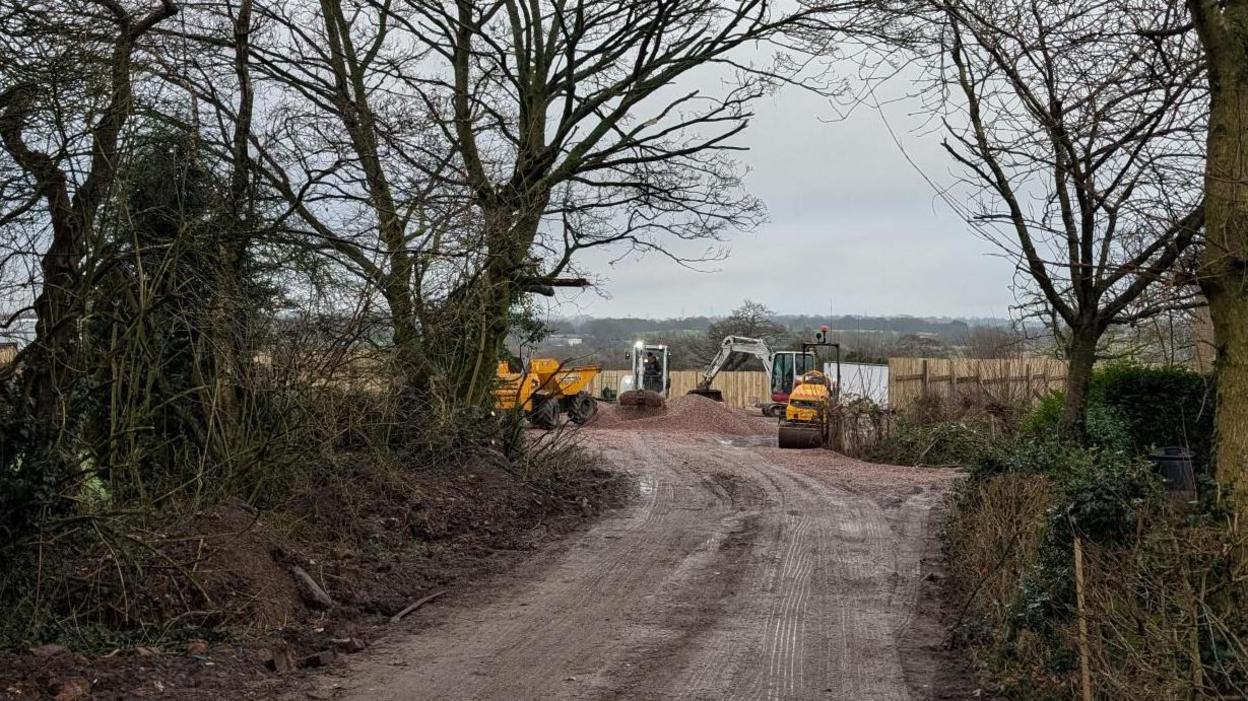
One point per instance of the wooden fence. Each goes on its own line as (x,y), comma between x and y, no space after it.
(741,389)
(1003,379)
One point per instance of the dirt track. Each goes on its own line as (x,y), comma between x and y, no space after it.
(741,572)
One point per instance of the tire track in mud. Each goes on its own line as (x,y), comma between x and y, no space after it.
(734,576)
(656,548)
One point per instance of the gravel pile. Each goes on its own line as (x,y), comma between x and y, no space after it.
(612,416)
(688,414)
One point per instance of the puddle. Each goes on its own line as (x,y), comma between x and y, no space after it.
(645,485)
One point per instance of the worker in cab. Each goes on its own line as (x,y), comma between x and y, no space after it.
(652,374)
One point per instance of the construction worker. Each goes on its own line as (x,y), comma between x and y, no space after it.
(652,374)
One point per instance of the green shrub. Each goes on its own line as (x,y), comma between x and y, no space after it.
(1105,494)
(1101,489)
(1159,615)
(1045,416)
(1106,427)
(948,442)
(1160,406)
(1106,499)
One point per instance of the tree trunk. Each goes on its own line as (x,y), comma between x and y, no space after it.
(1224,267)
(510,233)
(57,311)
(497,298)
(406,336)
(228,329)
(1080,359)
(352,92)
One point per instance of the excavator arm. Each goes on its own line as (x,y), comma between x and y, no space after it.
(731,345)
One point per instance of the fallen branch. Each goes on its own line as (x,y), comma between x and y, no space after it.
(412,607)
(311,590)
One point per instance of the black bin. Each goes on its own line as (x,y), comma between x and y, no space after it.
(1174,464)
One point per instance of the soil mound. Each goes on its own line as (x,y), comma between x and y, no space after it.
(376,538)
(401,532)
(235,569)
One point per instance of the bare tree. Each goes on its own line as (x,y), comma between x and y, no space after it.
(992,342)
(457,156)
(65,136)
(752,320)
(1077,126)
(1223,31)
(226,311)
(325,123)
(569,129)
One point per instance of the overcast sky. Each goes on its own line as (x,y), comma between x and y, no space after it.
(852,228)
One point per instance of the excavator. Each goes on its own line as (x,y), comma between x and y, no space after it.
(809,416)
(648,385)
(783,367)
(730,346)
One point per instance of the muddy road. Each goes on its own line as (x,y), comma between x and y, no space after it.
(740,572)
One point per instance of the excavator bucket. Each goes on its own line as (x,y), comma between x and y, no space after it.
(708,393)
(642,399)
(800,436)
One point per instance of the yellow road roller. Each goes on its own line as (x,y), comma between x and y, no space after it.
(809,417)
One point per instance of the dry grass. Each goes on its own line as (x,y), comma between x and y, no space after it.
(1164,610)
(1166,616)
(993,540)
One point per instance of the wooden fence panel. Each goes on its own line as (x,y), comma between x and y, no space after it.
(1003,379)
(741,389)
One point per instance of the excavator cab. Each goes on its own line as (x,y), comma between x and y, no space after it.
(786,369)
(649,382)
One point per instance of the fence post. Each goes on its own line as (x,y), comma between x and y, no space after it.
(1027,372)
(927,378)
(1085,674)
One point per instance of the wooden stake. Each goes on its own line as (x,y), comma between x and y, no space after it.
(1085,674)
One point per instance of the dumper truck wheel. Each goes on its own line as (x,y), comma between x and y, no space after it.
(545,414)
(582,408)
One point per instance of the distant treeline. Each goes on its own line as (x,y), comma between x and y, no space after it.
(625,328)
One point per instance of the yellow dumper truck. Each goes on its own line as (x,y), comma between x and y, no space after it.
(547,389)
